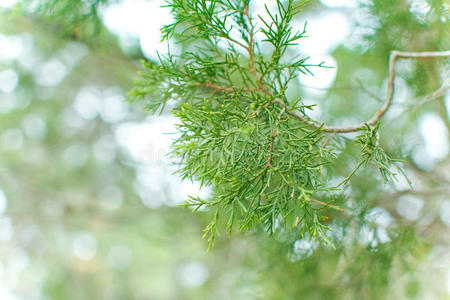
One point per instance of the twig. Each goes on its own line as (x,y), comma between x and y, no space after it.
(377,136)
(389,93)
(260,109)
(235,41)
(251,47)
(390,89)
(376,117)
(250,42)
(326,204)
(269,157)
(325,143)
(217,87)
(434,95)
(368,92)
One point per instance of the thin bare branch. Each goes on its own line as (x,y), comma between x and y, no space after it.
(326,204)
(390,88)
(368,92)
(389,93)
(434,95)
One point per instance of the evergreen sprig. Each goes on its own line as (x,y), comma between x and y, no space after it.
(236,124)
(372,153)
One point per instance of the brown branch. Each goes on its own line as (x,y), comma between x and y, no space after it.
(269,157)
(217,87)
(375,118)
(326,204)
(389,93)
(250,42)
(250,50)
(390,88)
(325,143)
(250,46)
(260,109)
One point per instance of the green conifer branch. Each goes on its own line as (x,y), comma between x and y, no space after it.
(239,132)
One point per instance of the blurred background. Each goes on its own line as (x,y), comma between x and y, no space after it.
(88,194)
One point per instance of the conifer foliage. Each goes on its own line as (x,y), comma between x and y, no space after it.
(240,132)
(245,129)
